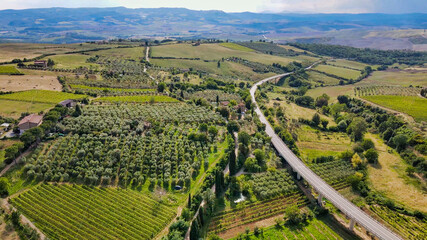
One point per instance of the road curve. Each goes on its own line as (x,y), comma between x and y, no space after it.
(348,208)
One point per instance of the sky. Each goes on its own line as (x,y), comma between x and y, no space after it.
(312,6)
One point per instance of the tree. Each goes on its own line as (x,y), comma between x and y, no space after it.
(219,64)
(342,125)
(356,161)
(293,215)
(367,144)
(78,111)
(260,156)
(189,201)
(161,87)
(251,165)
(401,141)
(357,128)
(232,163)
(232,126)
(324,123)
(371,155)
(343,99)
(203,127)
(316,119)
(50,62)
(322,100)
(244,138)
(223,111)
(213,131)
(4,187)
(305,101)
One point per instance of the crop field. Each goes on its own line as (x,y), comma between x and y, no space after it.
(319,78)
(13,109)
(211,95)
(137,99)
(215,52)
(41,96)
(338,71)
(315,229)
(227,69)
(386,90)
(348,64)
(412,105)
(135,53)
(9,70)
(403,78)
(409,227)
(332,91)
(253,212)
(105,91)
(116,144)
(80,212)
(71,61)
(235,46)
(29,82)
(335,172)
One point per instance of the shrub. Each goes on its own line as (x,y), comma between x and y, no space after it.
(367,144)
(371,155)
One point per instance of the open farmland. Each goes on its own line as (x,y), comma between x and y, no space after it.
(29,82)
(71,61)
(80,212)
(403,78)
(9,70)
(41,96)
(13,109)
(235,46)
(322,79)
(322,228)
(338,71)
(347,64)
(137,99)
(414,106)
(386,90)
(410,227)
(214,52)
(134,53)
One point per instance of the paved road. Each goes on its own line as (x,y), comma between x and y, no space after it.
(316,182)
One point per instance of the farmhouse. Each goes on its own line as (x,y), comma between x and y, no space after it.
(41,63)
(68,103)
(30,121)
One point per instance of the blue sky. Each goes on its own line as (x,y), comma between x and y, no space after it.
(322,6)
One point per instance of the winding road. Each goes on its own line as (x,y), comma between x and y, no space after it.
(348,208)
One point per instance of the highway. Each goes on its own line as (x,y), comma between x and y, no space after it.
(348,208)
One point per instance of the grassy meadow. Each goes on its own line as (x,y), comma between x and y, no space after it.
(347,64)
(235,46)
(338,71)
(13,109)
(71,61)
(9,70)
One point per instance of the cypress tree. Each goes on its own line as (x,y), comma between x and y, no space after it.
(189,200)
(232,162)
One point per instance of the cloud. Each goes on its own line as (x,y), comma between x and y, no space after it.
(321,6)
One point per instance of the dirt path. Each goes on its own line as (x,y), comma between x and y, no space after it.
(6,206)
(147,50)
(165,230)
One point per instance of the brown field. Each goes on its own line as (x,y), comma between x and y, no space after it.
(28,82)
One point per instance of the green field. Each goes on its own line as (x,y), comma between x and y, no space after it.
(71,61)
(236,47)
(338,71)
(412,105)
(320,78)
(13,109)
(314,229)
(80,212)
(9,70)
(135,53)
(348,64)
(41,96)
(137,99)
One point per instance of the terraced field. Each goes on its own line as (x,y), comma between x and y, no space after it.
(80,212)
(253,212)
(314,230)
(409,227)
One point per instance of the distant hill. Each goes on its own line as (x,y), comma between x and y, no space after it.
(68,25)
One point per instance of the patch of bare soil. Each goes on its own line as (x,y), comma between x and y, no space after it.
(28,82)
(7,232)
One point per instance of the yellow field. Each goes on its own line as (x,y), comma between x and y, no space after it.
(28,82)
(129,53)
(390,177)
(235,46)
